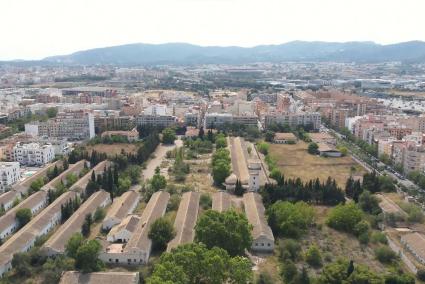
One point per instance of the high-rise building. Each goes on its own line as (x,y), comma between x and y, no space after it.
(73,125)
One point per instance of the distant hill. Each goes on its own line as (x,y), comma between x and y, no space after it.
(183,53)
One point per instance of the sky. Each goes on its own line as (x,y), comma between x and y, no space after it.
(34,29)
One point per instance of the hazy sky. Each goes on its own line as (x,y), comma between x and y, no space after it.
(33,29)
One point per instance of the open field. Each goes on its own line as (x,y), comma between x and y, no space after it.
(294,161)
(112,149)
(407,93)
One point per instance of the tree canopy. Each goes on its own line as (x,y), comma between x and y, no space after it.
(290,220)
(228,230)
(195,263)
(161,232)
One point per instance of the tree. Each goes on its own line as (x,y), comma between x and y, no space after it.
(158,181)
(344,217)
(73,244)
(302,278)
(51,112)
(220,165)
(220,141)
(239,190)
(269,136)
(194,263)
(21,262)
(313,256)
(168,136)
(201,133)
(385,255)
(99,214)
(290,220)
(289,249)
(343,150)
(228,230)
(23,216)
(369,203)
(421,274)
(161,232)
(263,147)
(37,184)
(313,148)
(85,229)
(288,271)
(86,258)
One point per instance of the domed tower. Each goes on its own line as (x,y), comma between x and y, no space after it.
(254,168)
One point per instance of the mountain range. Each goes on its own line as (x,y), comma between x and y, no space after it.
(183,53)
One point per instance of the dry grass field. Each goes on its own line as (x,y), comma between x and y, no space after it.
(294,161)
(112,149)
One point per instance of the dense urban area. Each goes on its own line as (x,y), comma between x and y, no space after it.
(298,172)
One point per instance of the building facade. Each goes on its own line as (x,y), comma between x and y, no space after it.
(33,154)
(9,174)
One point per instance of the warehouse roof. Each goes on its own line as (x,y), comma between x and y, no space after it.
(56,243)
(75,277)
(221,201)
(121,205)
(154,209)
(185,221)
(254,210)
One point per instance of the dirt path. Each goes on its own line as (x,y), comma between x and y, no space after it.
(159,153)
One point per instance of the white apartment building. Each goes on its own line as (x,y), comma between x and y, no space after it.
(294,119)
(155,110)
(9,174)
(78,125)
(33,154)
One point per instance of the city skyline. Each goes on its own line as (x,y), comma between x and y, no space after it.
(48,28)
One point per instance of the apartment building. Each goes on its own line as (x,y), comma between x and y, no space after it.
(33,154)
(106,123)
(72,125)
(294,119)
(9,174)
(413,158)
(162,121)
(218,120)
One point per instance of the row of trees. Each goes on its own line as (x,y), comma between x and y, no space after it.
(220,165)
(326,193)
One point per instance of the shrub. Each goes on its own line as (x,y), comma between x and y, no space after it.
(385,255)
(379,237)
(344,217)
(313,256)
(421,274)
(289,249)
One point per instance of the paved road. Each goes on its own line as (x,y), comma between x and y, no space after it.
(159,153)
